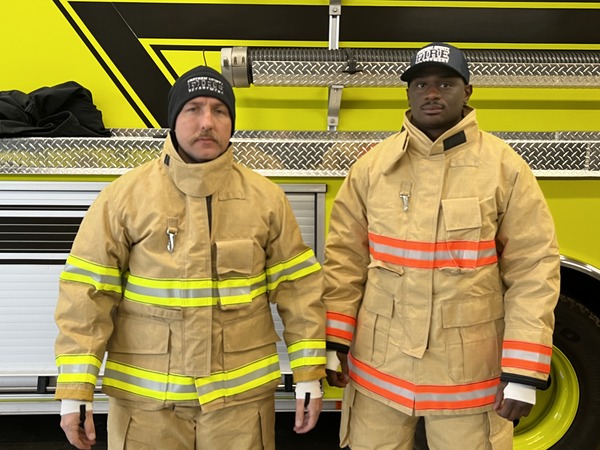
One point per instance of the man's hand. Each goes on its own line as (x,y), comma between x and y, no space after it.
(307,416)
(82,438)
(508,408)
(339,379)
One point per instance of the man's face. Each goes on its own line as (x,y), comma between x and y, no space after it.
(436,96)
(203,129)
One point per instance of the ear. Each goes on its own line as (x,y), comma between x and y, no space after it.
(468,93)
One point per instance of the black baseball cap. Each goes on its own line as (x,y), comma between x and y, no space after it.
(438,54)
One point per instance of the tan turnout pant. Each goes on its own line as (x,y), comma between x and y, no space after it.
(368,424)
(135,426)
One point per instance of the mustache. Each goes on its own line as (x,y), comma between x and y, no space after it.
(433,104)
(205,135)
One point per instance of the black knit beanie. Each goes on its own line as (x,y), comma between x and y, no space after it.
(202,81)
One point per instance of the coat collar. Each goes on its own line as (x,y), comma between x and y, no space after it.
(197,180)
(465,131)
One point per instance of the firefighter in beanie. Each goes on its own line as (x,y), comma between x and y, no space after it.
(171,276)
(441,276)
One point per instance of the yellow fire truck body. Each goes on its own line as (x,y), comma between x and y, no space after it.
(310,77)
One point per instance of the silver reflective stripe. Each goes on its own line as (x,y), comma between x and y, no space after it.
(99,279)
(275,277)
(169,292)
(396,390)
(527,356)
(455,397)
(308,353)
(340,325)
(439,255)
(230,384)
(152,385)
(78,369)
(217,290)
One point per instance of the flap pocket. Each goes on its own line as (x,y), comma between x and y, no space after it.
(472,311)
(382,287)
(385,278)
(461,213)
(248,332)
(234,257)
(139,335)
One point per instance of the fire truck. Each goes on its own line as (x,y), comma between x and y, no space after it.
(317,84)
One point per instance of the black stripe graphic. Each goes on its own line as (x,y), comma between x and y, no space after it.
(118,26)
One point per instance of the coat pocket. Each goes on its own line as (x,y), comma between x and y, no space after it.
(474,329)
(462,218)
(139,335)
(247,343)
(234,268)
(375,316)
(462,224)
(234,258)
(249,332)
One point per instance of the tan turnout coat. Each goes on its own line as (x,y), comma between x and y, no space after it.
(442,271)
(191,323)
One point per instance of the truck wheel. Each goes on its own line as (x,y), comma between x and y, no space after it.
(567,415)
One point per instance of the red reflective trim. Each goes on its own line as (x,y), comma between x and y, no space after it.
(408,402)
(422,390)
(340,332)
(474,403)
(430,248)
(528,347)
(344,334)
(341,317)
(525,364)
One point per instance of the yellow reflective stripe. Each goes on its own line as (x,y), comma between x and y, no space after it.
(194,293)
(307,344)
(170,387)
(300,266)
(243,379)
(149,384)
(305,362)
(227,294)
(307,353)
(170,301)
(62,360)
(78,368)
(64,378)
(103,278)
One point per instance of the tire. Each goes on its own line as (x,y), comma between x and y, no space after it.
(567,415)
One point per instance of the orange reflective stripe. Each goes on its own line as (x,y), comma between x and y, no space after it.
(422,397)
(340,325)
(382,384)
(433,255)
(461,396)
(527,355)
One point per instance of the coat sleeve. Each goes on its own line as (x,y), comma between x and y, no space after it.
(90,287)
(529,263)
(294,280)
(346,259)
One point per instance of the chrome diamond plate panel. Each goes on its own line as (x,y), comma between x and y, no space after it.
(382,67)
(290,73)
(276,153)
(285,73)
